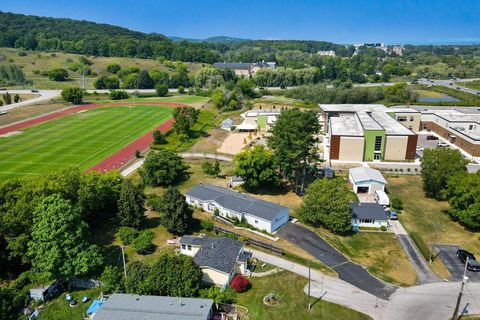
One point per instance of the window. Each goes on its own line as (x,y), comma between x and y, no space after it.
(412,118)
(378,143)
(401,118)
(256,221)
(367,221)
(470,127)
(189,247)
(183,247)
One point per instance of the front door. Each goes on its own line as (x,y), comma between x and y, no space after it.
(376,156)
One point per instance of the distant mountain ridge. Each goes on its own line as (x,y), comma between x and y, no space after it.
(216,39)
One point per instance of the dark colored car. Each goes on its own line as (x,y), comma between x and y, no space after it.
(34,90)
(473,264)
(430,137)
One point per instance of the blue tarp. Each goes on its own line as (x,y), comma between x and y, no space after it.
(94,306)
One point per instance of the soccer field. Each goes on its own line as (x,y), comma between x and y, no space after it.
(82,139)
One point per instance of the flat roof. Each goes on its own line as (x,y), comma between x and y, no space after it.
(351,107)
(137,307)
(391,126)
(402,110)
(345,125)
(367,122)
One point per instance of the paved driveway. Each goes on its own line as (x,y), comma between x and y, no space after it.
(346,270)
(448,254)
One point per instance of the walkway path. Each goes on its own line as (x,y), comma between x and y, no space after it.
(44,95)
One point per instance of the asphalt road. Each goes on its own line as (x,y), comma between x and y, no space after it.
(452,84)
(448,254)
(424,274)
(346,270)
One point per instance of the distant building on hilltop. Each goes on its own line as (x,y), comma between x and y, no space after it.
(245,69)
(327,53)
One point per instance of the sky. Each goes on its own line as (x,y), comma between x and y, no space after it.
(340,21)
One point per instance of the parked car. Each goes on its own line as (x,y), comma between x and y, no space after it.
(392,215)
(430,137)
(473,264)
(442,144)
(34,90)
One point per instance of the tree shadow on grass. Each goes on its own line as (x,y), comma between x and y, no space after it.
(150,223)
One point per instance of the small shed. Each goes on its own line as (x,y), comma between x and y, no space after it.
(43,293)
(366,180)
(235,181)
(227,124)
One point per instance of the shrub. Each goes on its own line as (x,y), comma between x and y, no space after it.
(397,204)
(118,94)
(161,90)
(158,137)
(113,68)
(181,89)
(73,95)
(239,283)
(143,243)
(127,235)
(212,169)
(207,225)
(58,74)
(22,53)
(138,154)
(216,212)
(36,71)
(16,98)
(383,228)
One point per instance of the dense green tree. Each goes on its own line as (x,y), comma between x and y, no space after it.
(144,81)
(463,193)
(294,143)
(185,118)
(162,168)
(112,280)
(174,275)
(158,137)
(98,195)
(175,213)
(327,203)
(160,77)
(16,98)
(131,211)
(137,274)
(118,95)
(73,95)
(438,165)
(208,77)
(7,97)
(228,295)
(161,90)
(105,82)
(12,75)
(9,305)
(59,247)
(257,167)
(113,68)
(58,74)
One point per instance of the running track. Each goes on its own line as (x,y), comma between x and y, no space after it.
(121,157)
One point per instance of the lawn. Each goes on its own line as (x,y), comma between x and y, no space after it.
(380,252)
(475,85)
(421,214)
(59,308)
(293,301)
(81,139)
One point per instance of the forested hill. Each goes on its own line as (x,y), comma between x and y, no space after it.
(84,37)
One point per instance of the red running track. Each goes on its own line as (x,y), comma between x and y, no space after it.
(119,158)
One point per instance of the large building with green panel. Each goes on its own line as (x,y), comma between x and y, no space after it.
(366,133)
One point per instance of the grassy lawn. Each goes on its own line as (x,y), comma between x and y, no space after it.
(429,94)
(420,215)
(81,139)
(59,308)
(293,301)
(475,85)
(45,61)
(380,252)
(192,100)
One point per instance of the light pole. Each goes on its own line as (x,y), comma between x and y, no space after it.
(460,294)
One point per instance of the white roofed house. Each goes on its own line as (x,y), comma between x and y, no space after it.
(261,214)
(366,180)
(218,258)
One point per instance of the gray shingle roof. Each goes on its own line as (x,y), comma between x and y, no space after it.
(236,201)
(372,211)
(136,307)
(217,253)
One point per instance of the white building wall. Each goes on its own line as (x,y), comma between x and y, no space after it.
(374,224)
(258,223)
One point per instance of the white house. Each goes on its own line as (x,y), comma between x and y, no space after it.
(218,258)
(370,215)
(230,204)
(366,180)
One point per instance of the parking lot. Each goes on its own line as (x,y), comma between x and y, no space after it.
(448,254)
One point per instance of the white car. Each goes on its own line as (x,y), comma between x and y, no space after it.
(442,144)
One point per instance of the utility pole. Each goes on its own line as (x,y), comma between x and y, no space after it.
(464,280)
(437,228)
(124,269)
(309,278)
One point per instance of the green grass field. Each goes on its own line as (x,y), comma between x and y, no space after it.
(81,139)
